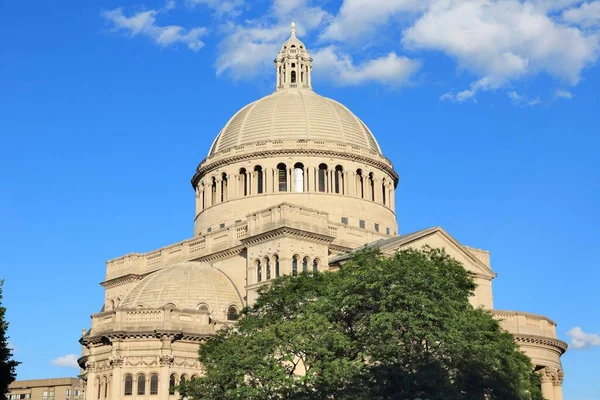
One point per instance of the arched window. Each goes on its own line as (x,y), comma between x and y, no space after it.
(105,387)
(268,268)
(322,178)
(305,264)
(223,187)
(338,181)
(153,384)
(128,389)
(258,271)
(295,266)
(172,384)
(383,193)
(203,308)
(183,380)
(371,187)
(282,177)
(259,179)
(99,385)
(276,258)
(243,183)
(202,196)
(360,192)
(213,192)
(293,77)
(302,77)
(315,266)
(298,177)
(141,385)
(232,313)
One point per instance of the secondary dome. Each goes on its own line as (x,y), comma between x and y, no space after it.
(294,114)
(184,285)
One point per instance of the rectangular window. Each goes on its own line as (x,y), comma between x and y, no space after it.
(387,230)
(222,225)
(282,175)
(361,223)
(376,227)
(345,220)
(209,230)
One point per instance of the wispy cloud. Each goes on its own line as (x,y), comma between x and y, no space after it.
(390,69)
(581,339)
(563,94)
(586,15)
(220,7)
(522,100)
(68,361)
(144,23)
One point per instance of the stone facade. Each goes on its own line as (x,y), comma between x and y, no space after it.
(293,182)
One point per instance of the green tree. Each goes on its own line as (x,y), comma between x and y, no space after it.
(7,364)
(379,328)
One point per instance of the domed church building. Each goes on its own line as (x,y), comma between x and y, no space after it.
(293,182)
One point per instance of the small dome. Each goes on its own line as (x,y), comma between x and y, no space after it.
(184,285)
(294,114)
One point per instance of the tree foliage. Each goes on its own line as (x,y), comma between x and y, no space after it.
(379,328)
(7,364)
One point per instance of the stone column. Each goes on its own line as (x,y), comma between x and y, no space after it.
(91,387)
(558,380)
(547,378)
(116,363)
(165,373)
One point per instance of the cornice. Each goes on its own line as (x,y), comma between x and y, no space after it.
(201,170)
(220,255)
(123,279)
(286,231)
(106,338)
(539,340)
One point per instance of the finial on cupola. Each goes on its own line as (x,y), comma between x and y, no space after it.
(293,29)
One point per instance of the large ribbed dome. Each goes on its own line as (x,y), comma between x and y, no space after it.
(184,285)
(294,114)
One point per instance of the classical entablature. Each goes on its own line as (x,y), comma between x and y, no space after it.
(293,182)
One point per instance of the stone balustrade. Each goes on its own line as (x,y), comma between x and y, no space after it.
(142,320)
(521,323)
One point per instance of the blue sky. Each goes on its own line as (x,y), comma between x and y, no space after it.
(488,110)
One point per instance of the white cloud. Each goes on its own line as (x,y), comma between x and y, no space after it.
(587,15)
(391,69)
(249,50)
(170,4)
(144,23)
(502,41)
(305,16)
(68,361)
(358,19)
(563,94)
(522,100)
(220,7)
(581,340)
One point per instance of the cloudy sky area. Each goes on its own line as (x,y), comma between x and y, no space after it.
(497,43)
(488,110)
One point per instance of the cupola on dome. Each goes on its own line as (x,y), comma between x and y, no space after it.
(294,112)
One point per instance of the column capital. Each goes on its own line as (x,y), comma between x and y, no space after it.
(548,374)
(558,377)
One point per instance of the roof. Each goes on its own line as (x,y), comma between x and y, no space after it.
(294,114)
(184,285)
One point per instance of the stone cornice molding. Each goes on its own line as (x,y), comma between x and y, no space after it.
(220,255)
(107,337)
(556,344)
(206,165)
(285,231)
(110,283)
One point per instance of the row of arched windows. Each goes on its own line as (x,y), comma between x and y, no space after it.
(143,386)
(299,178)
(268,271)
(306,265)
(265,272)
